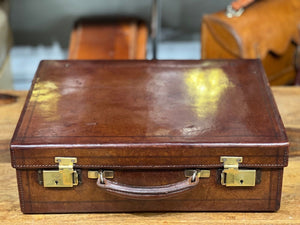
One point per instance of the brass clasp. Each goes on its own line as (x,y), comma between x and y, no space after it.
(95,174)
(232,176)
(198,173)
(65,176)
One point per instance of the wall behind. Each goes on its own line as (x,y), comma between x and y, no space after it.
(43,22)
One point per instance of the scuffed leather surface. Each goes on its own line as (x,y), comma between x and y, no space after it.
(150,114)
(148,121)
(208,195)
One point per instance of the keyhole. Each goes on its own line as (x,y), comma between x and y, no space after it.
(241,181)
(56,182)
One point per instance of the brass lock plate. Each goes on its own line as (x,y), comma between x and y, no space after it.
(232,176)
(239,178)
(65,176)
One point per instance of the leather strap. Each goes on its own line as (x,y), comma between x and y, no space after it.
(239,4)
(147,192)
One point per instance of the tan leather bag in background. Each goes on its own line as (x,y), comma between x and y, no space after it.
(268,29)
(100,38)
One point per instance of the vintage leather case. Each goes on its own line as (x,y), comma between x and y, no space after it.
(151,123)
(268,30)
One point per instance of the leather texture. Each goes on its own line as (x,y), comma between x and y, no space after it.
(147,192)
(148,121)
(268,30)
(108,39)
(146,114)
(208,195)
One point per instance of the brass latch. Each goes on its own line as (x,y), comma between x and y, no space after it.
(232,176)
(65,176)
(198,173)
(101,174)
(95,174)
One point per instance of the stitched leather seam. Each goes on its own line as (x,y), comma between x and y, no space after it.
(21,191)
(285,158)
(13,158)
(279,187)
(142,166)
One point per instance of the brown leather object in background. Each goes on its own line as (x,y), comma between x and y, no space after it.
(297,63)
(108,39)
(266,30)
(149,121)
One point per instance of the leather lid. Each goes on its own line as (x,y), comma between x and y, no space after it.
(149,114)
(267,25)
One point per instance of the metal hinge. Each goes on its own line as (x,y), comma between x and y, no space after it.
(65,176)
(232,176)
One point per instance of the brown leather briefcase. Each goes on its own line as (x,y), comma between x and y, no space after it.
(130,136)
(268,30)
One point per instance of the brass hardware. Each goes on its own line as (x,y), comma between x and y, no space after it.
(65,176)
(200,173)
(94,174)
(232,176)
(230,12)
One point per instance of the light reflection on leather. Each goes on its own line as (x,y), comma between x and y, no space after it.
(46,93)
(205,88)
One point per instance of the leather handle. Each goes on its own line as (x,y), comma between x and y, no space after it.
(147,192)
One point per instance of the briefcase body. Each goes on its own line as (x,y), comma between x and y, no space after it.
(145,136)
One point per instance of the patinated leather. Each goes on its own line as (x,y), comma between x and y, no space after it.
(147,192)
(268,30)
(208,195)
(148,121)
(98,38)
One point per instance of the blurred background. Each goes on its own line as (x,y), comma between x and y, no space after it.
(41,29)
(34,30)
